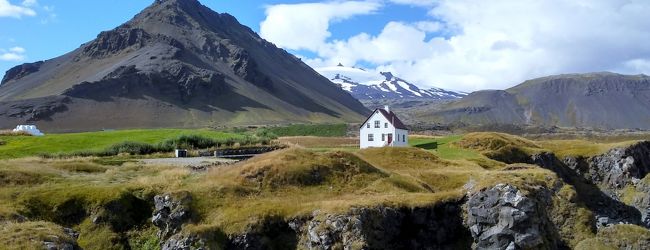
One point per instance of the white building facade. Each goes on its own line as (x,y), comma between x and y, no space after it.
(383,129)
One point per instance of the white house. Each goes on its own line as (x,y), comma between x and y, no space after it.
(383,129)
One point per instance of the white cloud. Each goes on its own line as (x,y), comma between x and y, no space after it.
(415,2)
(9,10)
(493,44)
(15,54)
(30,3)
(19,50)
(306,26)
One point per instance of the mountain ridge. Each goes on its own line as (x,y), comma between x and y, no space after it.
(176,63)
(595,100)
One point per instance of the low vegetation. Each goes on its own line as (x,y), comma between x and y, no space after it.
(24,146)
(31,235)
(617,237)
(284,184)
(321,130)
(14,133)
(132,142)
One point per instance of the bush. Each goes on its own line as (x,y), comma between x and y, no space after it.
(188,141)
(323,130)
(132,148)
(183,141)
(12,133)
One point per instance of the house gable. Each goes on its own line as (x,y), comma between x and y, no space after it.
(390,117)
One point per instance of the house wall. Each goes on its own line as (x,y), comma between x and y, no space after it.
(398,142)
(377,132)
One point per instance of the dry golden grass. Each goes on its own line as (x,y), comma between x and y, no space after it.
(288,183)
(485,141)
(618,237)
(12,133)
(563,148)
(31,235)
(321,142)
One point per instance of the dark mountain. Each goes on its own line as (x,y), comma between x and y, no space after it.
(175,64)
(595,100)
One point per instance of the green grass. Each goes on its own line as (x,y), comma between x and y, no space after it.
(24,146)
(323,130)
(444,147)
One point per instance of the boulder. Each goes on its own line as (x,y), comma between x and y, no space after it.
(437,226)
(620,166)
(171,212)
(503,218)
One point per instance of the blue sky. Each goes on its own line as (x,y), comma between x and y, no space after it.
(456,44)
(62,26)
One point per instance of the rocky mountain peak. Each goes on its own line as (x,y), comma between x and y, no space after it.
(389,76)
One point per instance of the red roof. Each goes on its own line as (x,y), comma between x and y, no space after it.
(391,117)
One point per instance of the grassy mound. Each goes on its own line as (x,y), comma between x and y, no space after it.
(401,158)
(485,142)
(14,177)
(31,235)
(299,167)
(618,237)
(501,147)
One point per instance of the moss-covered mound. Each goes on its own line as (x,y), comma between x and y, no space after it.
(501,147)
(35,235)
(618,237)
(299,167)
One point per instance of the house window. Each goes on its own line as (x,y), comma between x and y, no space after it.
(371,137)
(386,125)
(367,125)
(383,137)
(404,138)
(377,124)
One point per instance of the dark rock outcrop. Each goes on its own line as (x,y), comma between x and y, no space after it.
(503,218)
(600,180)
(184,242)
(617,168)
(640,199)
(435,227)
(114,41)
(21,71)
(58,244)
(171,212)
(40,109)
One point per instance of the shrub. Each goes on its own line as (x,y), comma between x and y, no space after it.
(188,141)
(132,148)
(12,133)
(323,130)
(83,167)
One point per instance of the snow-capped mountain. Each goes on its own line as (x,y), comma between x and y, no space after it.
(365,85)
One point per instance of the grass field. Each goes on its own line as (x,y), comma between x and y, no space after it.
(23,146)
(321,130)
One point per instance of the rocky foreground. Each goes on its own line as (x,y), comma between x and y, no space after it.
(296,199)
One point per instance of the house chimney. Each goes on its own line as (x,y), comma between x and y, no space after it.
(387,108)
